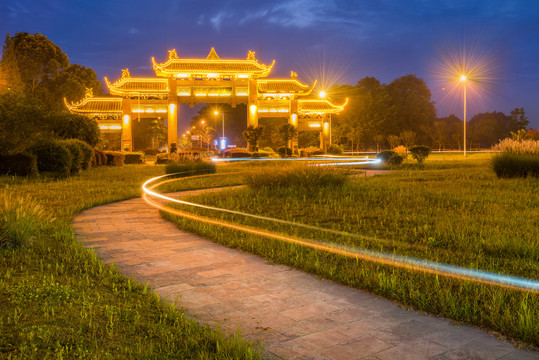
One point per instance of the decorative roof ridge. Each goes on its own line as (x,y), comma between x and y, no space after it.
(341,107)
(213,55)
(86,99)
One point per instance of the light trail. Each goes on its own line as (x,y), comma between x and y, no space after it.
(406,262)
(346,160)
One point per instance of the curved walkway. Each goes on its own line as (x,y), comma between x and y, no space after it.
(294,314)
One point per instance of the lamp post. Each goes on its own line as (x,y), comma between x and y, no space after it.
(463,79)
(222,120)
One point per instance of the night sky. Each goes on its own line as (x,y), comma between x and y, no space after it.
(334,41)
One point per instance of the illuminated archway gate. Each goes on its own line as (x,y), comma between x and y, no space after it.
(213,81)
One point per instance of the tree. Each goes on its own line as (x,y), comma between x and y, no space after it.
(518,120)
(393,141)
(288,132)
(485,129)
(235,121)
(40,69)
(251,135)
(413,108)
(73,126)
(408,138)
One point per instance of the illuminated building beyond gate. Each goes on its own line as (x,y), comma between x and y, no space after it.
(211,80)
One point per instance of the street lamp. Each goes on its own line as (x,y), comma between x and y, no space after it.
(222,120)
(463,79)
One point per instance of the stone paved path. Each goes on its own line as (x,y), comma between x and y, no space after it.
(293,313)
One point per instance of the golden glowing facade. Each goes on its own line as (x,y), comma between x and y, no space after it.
(209,80)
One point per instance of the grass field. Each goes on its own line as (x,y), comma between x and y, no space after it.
(58,300)
(450,210)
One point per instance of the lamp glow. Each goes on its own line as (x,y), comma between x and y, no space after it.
(463,78)
(126,119)
(322,94)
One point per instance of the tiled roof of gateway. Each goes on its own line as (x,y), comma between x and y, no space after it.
(313,105)
(283,86)
(129,85)
(212,64)
(96,105)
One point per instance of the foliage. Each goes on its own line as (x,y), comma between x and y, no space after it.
(310,151)
(236,153)
(87,153)
(53,158)
(41,70)
(77,155)
(21,164)
(408,138)
(73,126)
(288,132)
(235,120)
(518,147)
(335,149)
(100,158)
(395,159)
(21,219)
(284,151)
(513,165)
(308,139)
(114,158)
(251,135)
(133,158)
(151,151)
(295,175)
(386,155)
(393,141)
(22,123)
(420,152)
(447,132)
(58,299)
(190,167)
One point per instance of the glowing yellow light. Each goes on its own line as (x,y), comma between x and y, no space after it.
(126,119)
(322,94)
(182,75)
(138,111)
(314,125)
(326,126)
(103,127)
(161,111)
(253,109)
(212,75)
(463,78)
(216,112)
(115,127)
(283,110)
(171,108)
(243,76)
(150,110)
(294,117)
(202,121)
(184,94)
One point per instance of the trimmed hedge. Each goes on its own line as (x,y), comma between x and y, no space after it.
(22,164)
(310,151)
(236,153)
(100,158)
(284,151)
(87,153)
(335,149)
(114,158)
(190,167)
(390,157)
(419,152)
(151,152)
(76,155)
(512,165)
(134,158)
(53,158)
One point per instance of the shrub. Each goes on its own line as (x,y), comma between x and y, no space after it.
(190,167)
(386,155)
(20,220)
(53,158)
(512,165)
(87,153)
(134,158)
(22,164)
(268,149)
(99,158)
(73,126)
(151,152)
(284,151)
(310,151)
(114,158)
(518,147)
(76,155)
(236,153)
(334,149)
(297,175)
(402,151)
(419,152)
(395,159)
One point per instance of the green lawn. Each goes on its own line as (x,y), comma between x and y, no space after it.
(58,300)
(451,210)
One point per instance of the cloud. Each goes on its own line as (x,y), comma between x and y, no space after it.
(133,31)
(15,8)
(218,19)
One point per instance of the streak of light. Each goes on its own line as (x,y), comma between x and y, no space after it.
(405,262)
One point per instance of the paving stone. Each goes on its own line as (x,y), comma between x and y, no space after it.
(295,315)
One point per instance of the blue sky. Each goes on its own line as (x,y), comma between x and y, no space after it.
(332,40)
